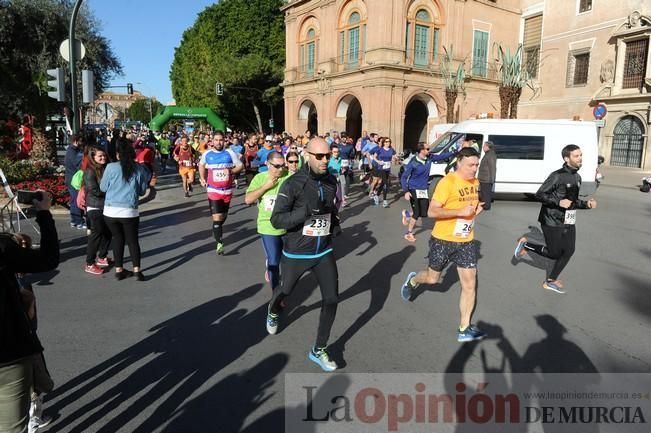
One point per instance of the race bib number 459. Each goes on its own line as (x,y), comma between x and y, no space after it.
(317,225)
(220,175)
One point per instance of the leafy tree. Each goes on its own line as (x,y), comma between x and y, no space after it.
(513,77)
(30,34)
(454,80)
(140,110)
(240,43)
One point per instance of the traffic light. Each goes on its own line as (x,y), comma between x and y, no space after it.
(130,88)
(57,83)
(219,89)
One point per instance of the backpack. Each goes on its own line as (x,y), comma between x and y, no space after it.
(81,198)
(77,179)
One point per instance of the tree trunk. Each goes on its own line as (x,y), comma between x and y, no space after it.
(505,100)
(257,115)
(450,100)
(515,99)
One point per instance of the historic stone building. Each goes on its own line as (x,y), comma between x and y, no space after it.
(588,52)
(374,65)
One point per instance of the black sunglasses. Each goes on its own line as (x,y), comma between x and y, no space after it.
(292,161)
(278,166)
(320,156)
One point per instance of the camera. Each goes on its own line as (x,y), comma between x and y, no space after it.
(27,197)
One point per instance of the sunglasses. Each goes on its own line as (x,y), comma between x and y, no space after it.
(292,161)
(278,166)
(320,156)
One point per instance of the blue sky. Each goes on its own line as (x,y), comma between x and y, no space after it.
(143,35)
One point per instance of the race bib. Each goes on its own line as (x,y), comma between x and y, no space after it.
(187,163)
(386,165)
(570,217)
(345,163)
(422,193)
(220,175)
(463,228)
(268,202)
(317,225)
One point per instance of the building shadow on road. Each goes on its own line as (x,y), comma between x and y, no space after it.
(159,374)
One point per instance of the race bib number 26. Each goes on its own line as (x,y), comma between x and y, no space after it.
(463,228)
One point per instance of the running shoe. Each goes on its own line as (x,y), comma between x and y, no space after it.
(407,288)
(272,322)
(385,203)
(519,248)
(322,359)
(471,333)
(81,226)
(406,216)
(220,249)
(553,286)
(409,237)
(376,200)
(93,269)
(103,262)
(187,194)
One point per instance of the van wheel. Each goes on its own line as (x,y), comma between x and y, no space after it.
(432,185)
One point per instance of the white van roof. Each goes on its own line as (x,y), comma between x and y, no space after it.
(524,122)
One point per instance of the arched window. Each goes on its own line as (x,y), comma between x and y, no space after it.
(352,41)
(422,38)
(307,53)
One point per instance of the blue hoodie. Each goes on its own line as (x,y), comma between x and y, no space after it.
(416,174)
(120,193)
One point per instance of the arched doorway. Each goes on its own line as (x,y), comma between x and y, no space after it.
(308,113)
(628,141)
(350,108)
(415,124)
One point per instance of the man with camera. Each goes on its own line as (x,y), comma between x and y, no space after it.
(18,343)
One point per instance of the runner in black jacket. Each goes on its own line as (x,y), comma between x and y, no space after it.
(559,195)
(17,340)
(305,207)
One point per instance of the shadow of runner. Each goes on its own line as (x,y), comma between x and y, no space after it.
(183,360)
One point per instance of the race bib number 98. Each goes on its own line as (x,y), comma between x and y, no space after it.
(220,175)
(463,228)
(317,225)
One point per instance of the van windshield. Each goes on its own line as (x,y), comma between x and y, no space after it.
(445,141)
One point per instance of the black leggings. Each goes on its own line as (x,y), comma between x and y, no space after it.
(325,270)
(385,176)
(560,247)
(124,230)
(99,237)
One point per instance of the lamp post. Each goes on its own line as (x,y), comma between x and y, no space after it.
(73,67)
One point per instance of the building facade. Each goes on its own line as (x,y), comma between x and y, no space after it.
(110,106)
(374,65)
(589,52)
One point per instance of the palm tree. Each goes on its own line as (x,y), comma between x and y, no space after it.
(454,81)
(513,77)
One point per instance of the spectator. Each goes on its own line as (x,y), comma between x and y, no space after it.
(486,175)
(99,238)
(72,163)
(18,343)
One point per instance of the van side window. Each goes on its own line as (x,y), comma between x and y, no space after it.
(519,146)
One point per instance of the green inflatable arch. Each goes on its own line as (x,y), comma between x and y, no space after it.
(170,112)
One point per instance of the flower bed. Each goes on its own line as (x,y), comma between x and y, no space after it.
(54,184)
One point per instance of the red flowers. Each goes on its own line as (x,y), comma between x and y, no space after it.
(54,184)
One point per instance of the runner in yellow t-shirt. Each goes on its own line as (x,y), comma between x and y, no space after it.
(455,205)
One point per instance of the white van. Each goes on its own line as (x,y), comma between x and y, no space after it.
(527,150)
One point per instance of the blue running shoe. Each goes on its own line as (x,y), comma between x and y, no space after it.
(553,286)
(272,322)
(322,359)
(471,333)
(407,288)
(519,248)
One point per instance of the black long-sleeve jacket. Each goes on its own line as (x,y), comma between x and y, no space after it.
(302,196)
(563,183)
(16,337)
(94,195)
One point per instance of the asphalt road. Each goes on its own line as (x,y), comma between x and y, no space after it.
(187,350)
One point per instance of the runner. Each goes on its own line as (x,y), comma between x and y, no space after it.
(217,169)
(559,195)
(305,208)
(382,157)
(293,162)
(367,167)
(347,159)
(250,163)
(455,205)
(185,157)
(264,190)
(263,153)
(164,151)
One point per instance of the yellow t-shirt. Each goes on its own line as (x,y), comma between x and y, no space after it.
(453,192)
